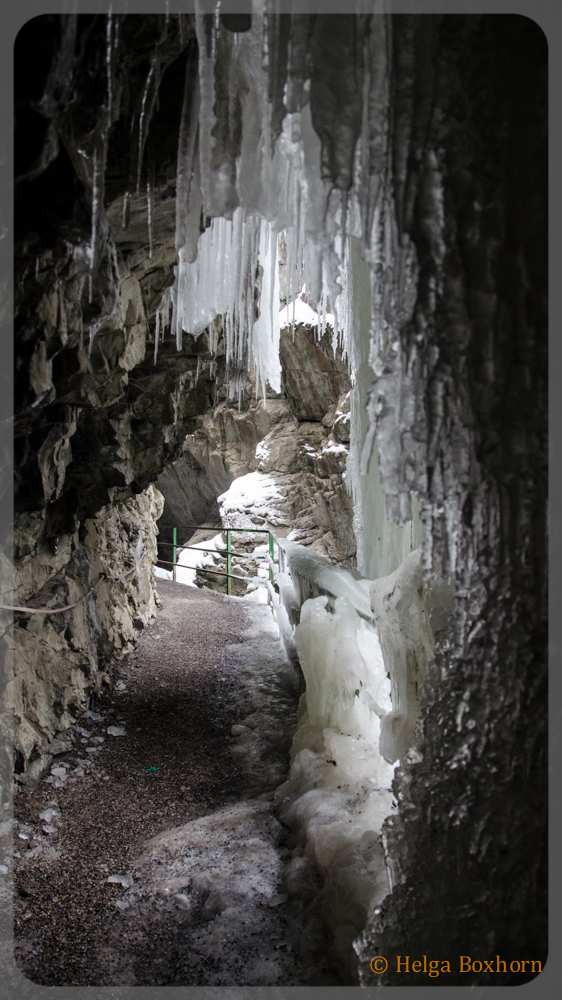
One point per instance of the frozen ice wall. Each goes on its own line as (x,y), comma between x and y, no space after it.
(382,545)
(338,794)
(410,618)
(341,659)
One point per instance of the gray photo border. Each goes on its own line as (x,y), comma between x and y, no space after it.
(545,13)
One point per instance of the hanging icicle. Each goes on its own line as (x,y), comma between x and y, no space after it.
(109,65)
(150,214)
(156,334)
(142,116)
(231,269)
(96,210)
(126,209)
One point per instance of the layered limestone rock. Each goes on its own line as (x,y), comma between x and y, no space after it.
(97,415)
(104,573)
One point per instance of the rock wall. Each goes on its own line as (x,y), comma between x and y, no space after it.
(97,416)
(459,411)
(103,572)
(299,438)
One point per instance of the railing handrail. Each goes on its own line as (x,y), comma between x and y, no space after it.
(281,543)
(208,572)
(219,530)
(228,552)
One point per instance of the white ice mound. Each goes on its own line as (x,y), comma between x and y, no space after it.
(346,684)
(311,573)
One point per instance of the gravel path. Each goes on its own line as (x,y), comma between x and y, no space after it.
(178,808)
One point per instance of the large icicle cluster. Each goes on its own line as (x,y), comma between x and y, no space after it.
(253,172)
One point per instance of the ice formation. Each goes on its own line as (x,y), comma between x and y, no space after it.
(337,794)
(408,616)
(346,684)
(221,282)
(252,189)
(313,575)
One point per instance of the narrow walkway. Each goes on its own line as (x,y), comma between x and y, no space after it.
(172,804)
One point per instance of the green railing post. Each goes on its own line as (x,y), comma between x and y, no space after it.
(271,576)
(174,553)
(228,561)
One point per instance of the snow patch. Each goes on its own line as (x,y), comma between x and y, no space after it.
(250,498)
(189,561)
(300,313)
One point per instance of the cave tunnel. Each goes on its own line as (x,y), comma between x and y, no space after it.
(279,296)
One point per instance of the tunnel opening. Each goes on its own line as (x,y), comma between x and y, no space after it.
(281,273)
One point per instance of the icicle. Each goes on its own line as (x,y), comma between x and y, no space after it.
(265,42)
(37,268)
(187,203)
(207,44)
(96,209)
(178,321)
(198,369)
(150,209)
(126,210)
(109,66)
(63,327)
(141,122)
(156,334)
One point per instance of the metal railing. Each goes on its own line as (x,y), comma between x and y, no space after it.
(176,549)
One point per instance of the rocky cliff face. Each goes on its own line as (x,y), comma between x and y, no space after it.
(96,417)
(103,575)
(459,410)
(298,437)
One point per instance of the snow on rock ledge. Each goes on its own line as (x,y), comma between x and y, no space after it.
(251,498)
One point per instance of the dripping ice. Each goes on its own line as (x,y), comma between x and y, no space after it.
(231,270)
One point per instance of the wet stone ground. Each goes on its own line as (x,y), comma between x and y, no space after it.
(172,806)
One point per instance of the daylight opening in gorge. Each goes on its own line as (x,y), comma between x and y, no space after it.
(273,600)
